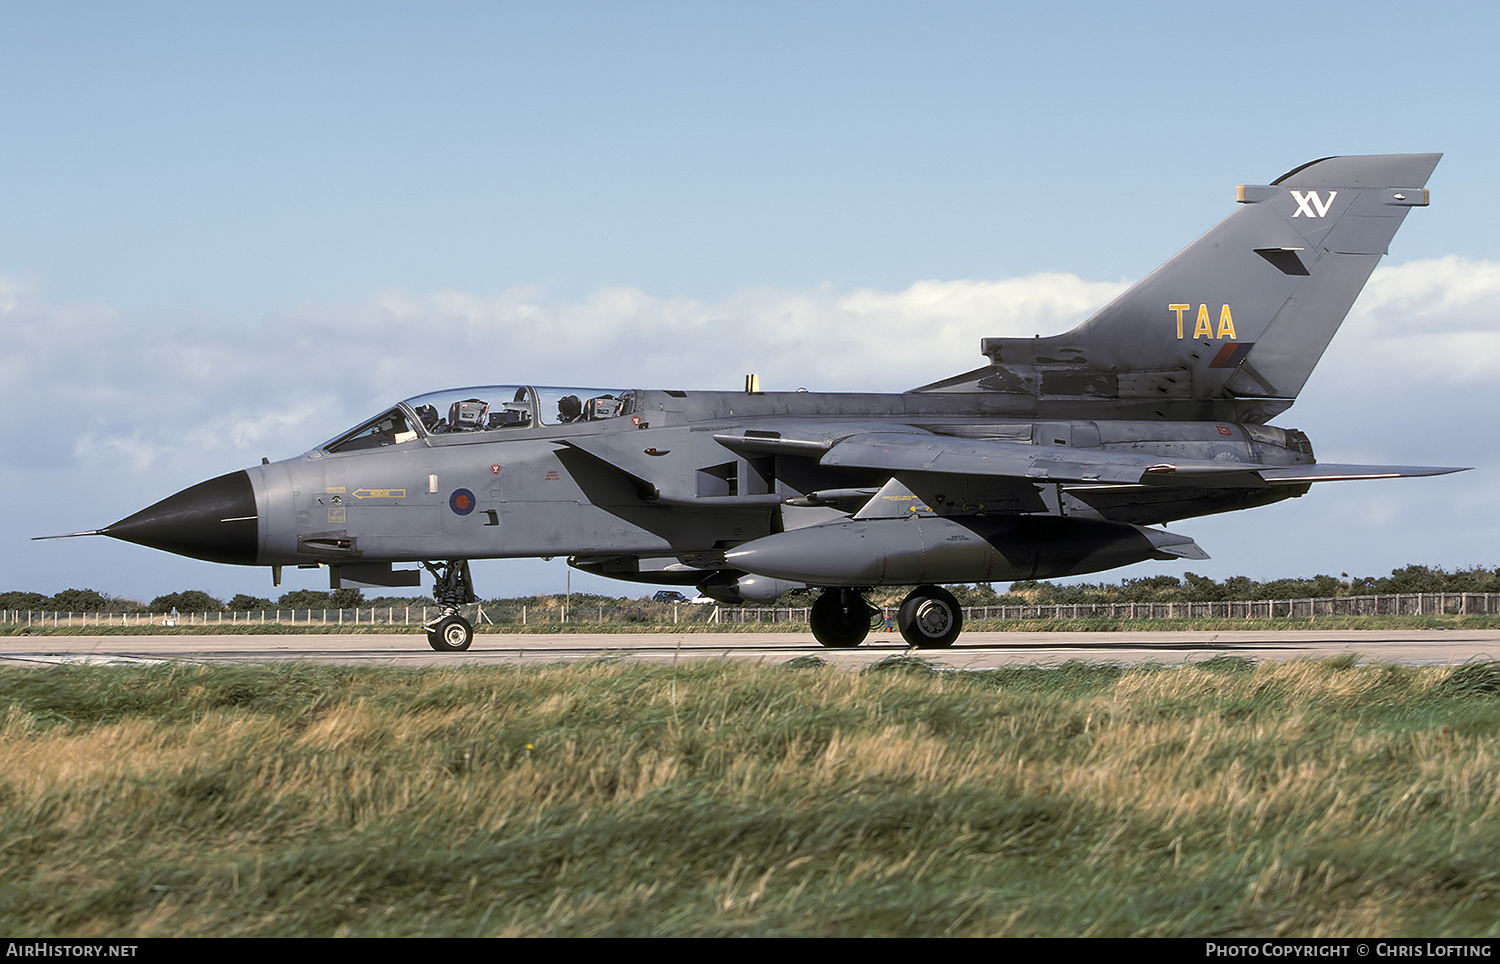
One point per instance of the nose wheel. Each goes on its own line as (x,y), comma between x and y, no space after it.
(450,634)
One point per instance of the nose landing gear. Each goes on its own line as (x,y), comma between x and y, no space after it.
(451,632)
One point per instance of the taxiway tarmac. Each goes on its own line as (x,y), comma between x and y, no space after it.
(973,651)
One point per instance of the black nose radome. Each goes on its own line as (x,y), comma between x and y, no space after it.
(214,521)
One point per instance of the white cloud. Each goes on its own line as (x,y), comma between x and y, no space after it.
(1448,294)
(1425,323)
(822,338)
(1410,377)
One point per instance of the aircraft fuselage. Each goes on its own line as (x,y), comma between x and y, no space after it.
(686,475)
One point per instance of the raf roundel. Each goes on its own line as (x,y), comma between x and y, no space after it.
(461,501)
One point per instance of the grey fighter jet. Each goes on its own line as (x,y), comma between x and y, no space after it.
(1054,459)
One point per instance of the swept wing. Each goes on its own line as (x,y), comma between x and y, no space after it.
(910,452)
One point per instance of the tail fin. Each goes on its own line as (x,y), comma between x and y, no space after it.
(1231,326)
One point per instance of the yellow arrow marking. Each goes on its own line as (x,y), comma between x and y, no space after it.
(380,493)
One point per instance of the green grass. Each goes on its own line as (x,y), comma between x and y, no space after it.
(1226,798)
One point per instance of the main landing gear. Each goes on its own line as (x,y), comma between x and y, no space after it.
(451,632)
(929,618)
(840,617)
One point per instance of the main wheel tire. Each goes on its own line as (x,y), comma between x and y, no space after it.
(451,634)
(840,618)
(930,618)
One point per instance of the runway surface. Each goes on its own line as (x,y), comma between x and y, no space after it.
(973,650)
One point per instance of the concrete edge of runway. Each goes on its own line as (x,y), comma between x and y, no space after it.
(973,651)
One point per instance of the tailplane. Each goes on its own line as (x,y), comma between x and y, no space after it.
(1231,326)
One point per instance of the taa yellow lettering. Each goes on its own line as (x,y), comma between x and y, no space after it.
(1203,326)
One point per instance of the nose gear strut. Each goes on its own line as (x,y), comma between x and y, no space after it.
(450,632)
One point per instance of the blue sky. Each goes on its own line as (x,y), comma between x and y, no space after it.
(231,230)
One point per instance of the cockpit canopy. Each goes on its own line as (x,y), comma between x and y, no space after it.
(489,408)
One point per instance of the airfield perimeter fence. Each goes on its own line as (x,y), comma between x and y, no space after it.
(521,617)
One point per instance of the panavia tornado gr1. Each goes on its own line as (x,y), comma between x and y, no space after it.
(1056,458)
